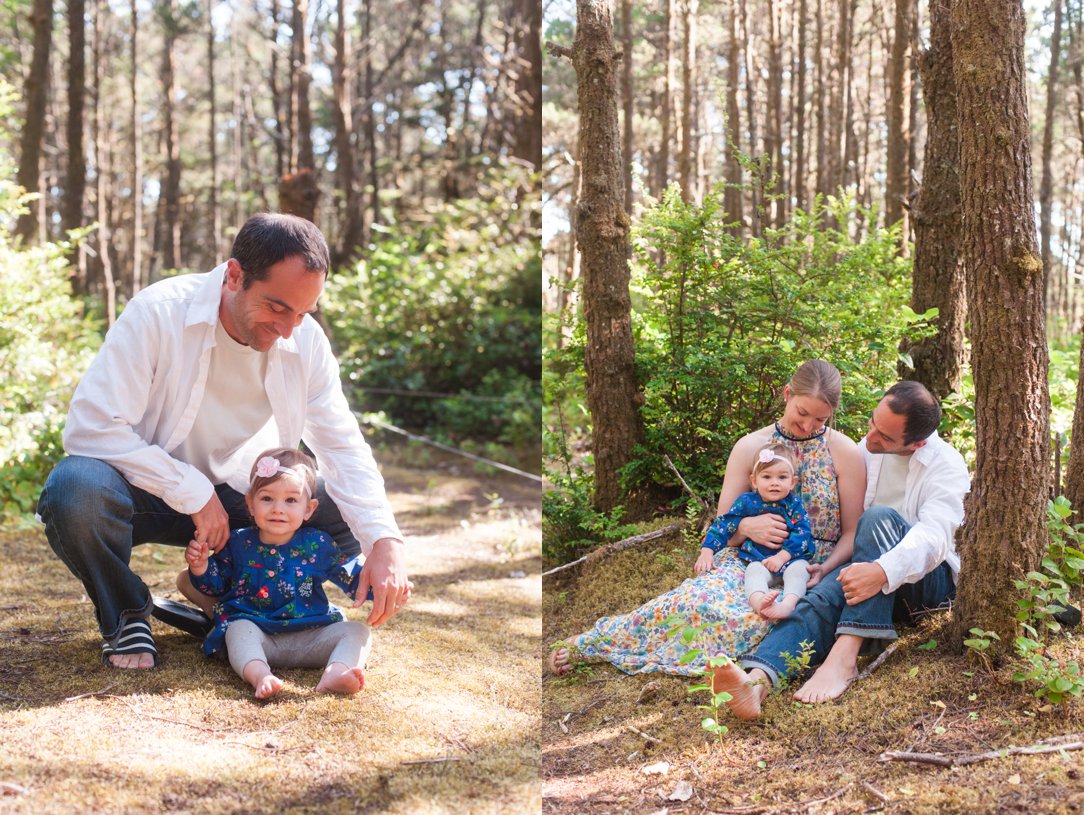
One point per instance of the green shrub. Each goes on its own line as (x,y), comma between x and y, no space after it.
(447,302)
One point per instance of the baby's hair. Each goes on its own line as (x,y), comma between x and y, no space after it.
(289,458)
(779,452)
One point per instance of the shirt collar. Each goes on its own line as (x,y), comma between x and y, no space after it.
(204,308)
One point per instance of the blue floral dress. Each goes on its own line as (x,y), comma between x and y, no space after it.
(639,642)
(279,587)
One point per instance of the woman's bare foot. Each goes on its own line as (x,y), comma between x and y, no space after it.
(747,691)
(766,602)
(777,611)
(560,661)
(836,673)
(341,678)
(259,675)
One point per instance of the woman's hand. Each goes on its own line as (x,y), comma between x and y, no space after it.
(705,561)
(768,530)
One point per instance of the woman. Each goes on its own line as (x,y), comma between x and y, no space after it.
(831,481)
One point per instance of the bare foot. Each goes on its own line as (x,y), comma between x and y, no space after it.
(341,678)
(777,611)
(259,675)
(827,683)
(142,662)
(747,692)
(559,662)
(765,603)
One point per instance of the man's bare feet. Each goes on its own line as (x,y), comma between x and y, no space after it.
(341,678)
(746,689)
(142,662)
(777,611)
(265,683)
(836,673)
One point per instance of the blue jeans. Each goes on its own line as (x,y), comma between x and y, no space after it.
(93,517)
(823,614)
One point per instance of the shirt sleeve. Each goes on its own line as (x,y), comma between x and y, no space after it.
(725,526)
(109,404)
(927,543)
(335,567)
(346,462)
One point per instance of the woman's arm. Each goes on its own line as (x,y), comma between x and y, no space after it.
(851,474)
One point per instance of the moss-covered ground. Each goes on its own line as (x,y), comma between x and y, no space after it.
(448,721)
(601,742)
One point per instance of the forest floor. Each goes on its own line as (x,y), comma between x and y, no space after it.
(448,721)
(605,751)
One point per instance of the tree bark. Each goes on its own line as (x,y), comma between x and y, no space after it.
(215,211)
(938,277)
(602,233)
(301,67)
(898,126)
(686,156)
(102,163)
(732,199)
(171,188)
(800,151)
(137,159)
(37,100)
(75,189)
(527,34)
(347,199)
(1004,534)
(627,101)
(666,104)
(773,142)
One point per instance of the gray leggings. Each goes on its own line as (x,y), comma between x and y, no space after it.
(347,642)
(794,579)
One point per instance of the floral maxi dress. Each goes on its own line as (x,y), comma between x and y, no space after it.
(639,642)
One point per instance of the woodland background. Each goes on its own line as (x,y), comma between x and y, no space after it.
(149,131)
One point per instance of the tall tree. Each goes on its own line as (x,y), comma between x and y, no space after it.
(214,210)
(137,157)
(168,223)
(662,177)
(1004,533)
(102,166)
(527,34)
(686,154)
(627,100)
(75,189)
(733,196)
(33,133)
(800,149)
(899,94)
(1046,181)
(602,234)
(938,277)
(351,214)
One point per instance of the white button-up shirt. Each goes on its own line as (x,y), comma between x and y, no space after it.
(140,396)
(937,481)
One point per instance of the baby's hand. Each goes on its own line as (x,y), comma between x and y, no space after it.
(196,554)
(776,562)
(705,561)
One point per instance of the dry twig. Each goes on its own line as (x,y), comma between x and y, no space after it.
(440,760)
(873,666)
(642,734)
(101,692)
(1051,745)
(609,548)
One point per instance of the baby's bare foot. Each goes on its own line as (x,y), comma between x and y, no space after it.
(340,678)
(766,602)
(777,611)
(268,686)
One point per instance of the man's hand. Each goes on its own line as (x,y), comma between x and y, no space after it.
(767,530)
(861,581)
(816,572)
(212,524)
(384,571)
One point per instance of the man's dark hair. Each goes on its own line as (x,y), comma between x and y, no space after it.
(912,401)
(270,238)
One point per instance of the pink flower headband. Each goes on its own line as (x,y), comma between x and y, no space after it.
(767,456)
(269,466)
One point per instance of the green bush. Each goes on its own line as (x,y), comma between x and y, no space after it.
(45,345)
(447,302)
(722,322)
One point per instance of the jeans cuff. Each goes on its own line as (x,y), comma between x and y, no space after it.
(873,632)
(755,662)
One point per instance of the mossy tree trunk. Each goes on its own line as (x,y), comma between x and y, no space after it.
(938,278)
(1004,531)
(602,234)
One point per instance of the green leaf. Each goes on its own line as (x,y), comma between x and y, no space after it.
(689,656)
(928,646)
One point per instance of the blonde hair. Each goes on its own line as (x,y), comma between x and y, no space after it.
(293,461)
(817,379)
(778,451)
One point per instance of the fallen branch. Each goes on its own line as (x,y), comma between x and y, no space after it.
(431,760)
(703,504)
(873,666)
(610,548)
(1051,745)
(642,734)
(101,692)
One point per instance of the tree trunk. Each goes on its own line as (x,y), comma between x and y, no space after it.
(686,157)
(350,210)
(626,98)
(733,197)
(301,67)
(898,127)
(773,143)
(1046,183)
(75,189)
(1004,535)
(37,100)
(800,151)
(102,162)
(602,233)
(666,104)
(279,102)
(755,212)
(171,189)
(215,212)
(938,277)
(137,159)
(527,34)
(821,184)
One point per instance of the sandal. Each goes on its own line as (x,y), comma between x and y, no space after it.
(135,638)
(179,615)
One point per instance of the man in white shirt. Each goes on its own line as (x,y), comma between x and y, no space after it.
(904,558)
(198,375)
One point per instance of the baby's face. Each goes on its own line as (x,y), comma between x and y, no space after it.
(279,508)
(774,482)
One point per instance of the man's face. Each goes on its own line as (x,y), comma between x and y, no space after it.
(269,308)
(886,432)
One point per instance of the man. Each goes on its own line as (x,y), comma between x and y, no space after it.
(904,558)
(199,374)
